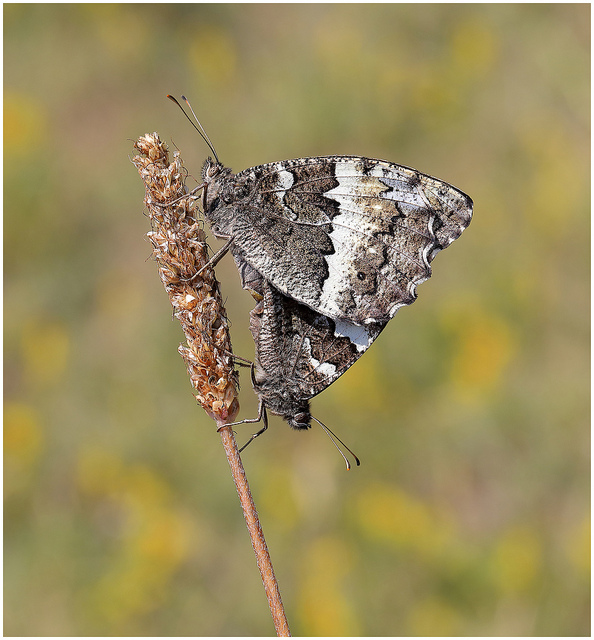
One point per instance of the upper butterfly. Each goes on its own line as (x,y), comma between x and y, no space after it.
(331,247)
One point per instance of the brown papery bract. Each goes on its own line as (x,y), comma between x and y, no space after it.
(180,249)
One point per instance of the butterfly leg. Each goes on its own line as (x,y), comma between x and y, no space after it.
(186,195)
(213,261)
(238,360)
(262,414)
(261,417)
(242,362)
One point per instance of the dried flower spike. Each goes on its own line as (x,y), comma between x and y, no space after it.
(180,249)
(179,246)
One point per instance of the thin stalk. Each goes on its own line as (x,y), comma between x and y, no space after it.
(256,534)
(180,249)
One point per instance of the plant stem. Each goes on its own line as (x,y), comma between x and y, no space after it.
(180,249)
(256,534)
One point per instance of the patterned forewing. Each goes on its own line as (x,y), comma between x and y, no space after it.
(350,237)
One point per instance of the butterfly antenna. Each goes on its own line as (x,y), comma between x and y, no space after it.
(210,144)
(333,438)
(201,131)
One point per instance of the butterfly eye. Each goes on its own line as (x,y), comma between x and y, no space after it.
(212,170)
(300,421)
(361,275)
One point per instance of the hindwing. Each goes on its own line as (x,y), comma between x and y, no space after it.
(299,352)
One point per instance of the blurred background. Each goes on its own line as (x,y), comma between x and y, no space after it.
(470,513)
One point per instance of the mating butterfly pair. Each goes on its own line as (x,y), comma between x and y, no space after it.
(331,247)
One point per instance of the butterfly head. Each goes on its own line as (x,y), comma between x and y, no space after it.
(217,189)
(211,169)
(301,420)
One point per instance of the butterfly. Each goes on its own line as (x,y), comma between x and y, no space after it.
(330,247)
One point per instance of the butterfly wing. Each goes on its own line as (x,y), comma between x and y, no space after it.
(299,352)
(349,237)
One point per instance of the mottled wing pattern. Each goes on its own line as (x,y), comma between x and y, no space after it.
(350,237)
(299,352)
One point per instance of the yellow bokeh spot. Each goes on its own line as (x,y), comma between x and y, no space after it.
(154,540)
(486,348)
(473,47)
(46,347)
(213,56)
(23,436)
(278,498)
(432,618)
(341,50)
(130,588)
(556,186)
(323,604)
(431,92)
(99,472)
(331,558)
(137,580)
(394,516)
(145,487)
(120,32)
(25,124)
(363,385)
(165,539)
(580,547)
(516,560)
(118,294)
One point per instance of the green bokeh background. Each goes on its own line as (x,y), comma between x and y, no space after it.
(470,513)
